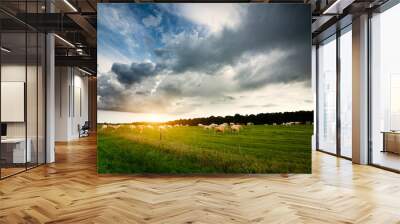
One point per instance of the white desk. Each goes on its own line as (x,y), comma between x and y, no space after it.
(19,155)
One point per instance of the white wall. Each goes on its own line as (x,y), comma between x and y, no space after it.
(14,73)
(71,87)
(33,127)
(62,81)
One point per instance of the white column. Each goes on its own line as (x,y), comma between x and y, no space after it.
(360,90)
(314,90)
(50,100)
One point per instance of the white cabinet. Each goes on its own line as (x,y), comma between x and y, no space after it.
(18,149)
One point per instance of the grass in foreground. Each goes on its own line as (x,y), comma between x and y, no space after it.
(180,150)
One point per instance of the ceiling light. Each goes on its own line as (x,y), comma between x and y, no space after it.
(65,41)
(5,50)
(70,5)
(337,7)
(86,72)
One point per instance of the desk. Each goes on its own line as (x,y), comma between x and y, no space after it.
(17,152)
(391,141)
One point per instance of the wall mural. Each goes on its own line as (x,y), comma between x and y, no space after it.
(200,88)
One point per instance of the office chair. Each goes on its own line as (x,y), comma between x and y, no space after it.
(84,130)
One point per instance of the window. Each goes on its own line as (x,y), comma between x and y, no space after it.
(346,93)
(327,95)
(385,89)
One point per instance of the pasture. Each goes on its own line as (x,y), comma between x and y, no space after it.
(190,150)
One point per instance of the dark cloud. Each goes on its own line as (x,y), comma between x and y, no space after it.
(222,99)
(171,90)
(263,28)
(142,93)
(270,105)
(122,99)
(287,70)
(134,73)
(255,105)
(249,106)
(110,96)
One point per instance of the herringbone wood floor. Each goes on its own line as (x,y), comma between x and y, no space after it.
(70,191)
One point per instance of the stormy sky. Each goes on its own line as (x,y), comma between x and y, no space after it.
(168,61)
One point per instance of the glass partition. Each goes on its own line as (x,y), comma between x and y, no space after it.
(31,98)
(22,88)
(14,153)
(41,96)
(327,95)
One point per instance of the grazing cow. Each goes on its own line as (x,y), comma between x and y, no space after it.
(132,126)
(104,126)
(220,128)
(213,125)
(115,127)
(236,128)
(231,124)
(200,125)
(149,127)
(140,128)
(207,127)
(250,123)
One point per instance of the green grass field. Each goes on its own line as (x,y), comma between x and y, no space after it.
(186,150)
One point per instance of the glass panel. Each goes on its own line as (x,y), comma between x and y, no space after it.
(32,88)
(313,82)
(41,99)
(13,86)
(346,94)
(385,81)
(23,90)
(31,98)
(327,96)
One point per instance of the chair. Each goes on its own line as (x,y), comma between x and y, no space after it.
(84,130)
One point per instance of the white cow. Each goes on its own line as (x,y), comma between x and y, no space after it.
(149,127)
(140,128)
(236,128)
(213,125)
(220,128)
(104,126)
(207,127)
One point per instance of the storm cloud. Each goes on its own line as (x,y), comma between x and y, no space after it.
(186,64)
(135,72)
(263,28)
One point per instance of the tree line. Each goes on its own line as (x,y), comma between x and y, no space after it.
(262,118)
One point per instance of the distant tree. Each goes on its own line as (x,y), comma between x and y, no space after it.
(262,118)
